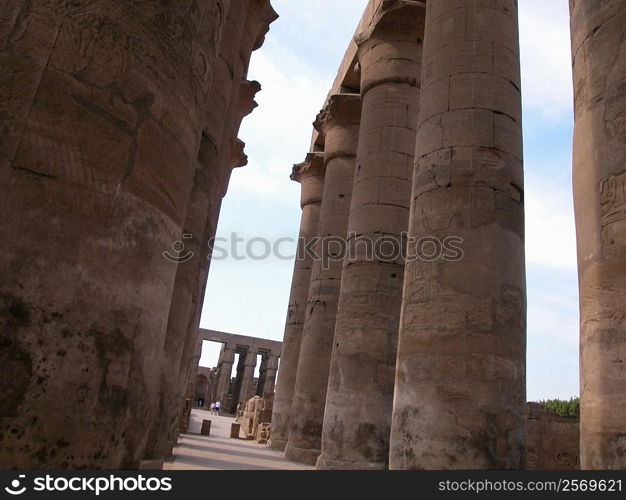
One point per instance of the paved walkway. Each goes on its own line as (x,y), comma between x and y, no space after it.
(219,452)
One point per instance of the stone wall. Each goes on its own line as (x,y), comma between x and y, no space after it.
(552,441)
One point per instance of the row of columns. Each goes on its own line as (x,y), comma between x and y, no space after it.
(243,388)
(230,100)
(413,362)
(118,128)
(310,175)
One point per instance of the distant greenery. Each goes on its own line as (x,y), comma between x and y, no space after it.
(567,409)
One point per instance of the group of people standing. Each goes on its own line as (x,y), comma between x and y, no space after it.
(216,408)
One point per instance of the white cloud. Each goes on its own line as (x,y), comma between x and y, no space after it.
(278,133)
(546,57)
(550,226)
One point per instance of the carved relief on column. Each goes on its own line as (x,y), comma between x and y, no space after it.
(460,392)
(357,418)
(599,66)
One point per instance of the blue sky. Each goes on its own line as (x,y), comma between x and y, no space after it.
(296,67)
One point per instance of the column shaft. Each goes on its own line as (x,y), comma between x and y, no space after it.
(247,381)
(224,372)
(103,109)
(311,177)
(339,123)
(270,375)
(460,388)
(259,14)
(599,55)
(357,418)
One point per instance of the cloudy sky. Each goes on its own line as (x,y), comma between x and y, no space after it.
(296,67)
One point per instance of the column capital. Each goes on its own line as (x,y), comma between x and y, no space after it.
(310,174)
(247,93)
(341,109)
(250,358)
(394,20)
(312,166)
(272,362)
(238,156)
(263,15)
(389,48)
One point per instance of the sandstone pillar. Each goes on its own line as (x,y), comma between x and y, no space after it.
(258,389)
(259,14)
(310,175)
(270,375)
(339,123)
(103,108)
(247,380)
(460,390)
(599,55)
(224,372)
(357,418)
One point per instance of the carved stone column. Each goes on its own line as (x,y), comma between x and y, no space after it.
(460,390)
(259,14)
(270,374)
(339,123)
(247,380)
(224,372)
(357,418)
(599,55)
(310,175)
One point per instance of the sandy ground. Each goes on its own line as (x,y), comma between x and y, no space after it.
(219,452)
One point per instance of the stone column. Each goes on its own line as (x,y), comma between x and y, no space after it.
(357,418)
(227,103)
(258,389)
(224,372)
(599,55)
(270,374)
(310,175)
(259,14)
(247,380)
(102,112)
(339,123)
(460,390)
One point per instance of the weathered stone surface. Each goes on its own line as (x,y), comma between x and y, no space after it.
(599,55)
(310,174)
(102,112)
(109,155)
(206,428)
(231,98)
(460,377)
(357,418)
(553,442)
(339,123)
(259,16)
